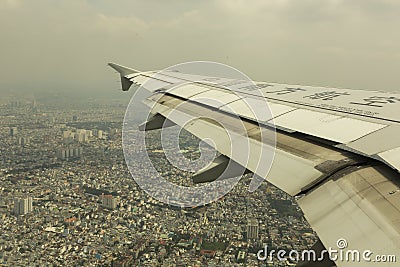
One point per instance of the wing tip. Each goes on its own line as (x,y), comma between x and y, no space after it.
(122,70)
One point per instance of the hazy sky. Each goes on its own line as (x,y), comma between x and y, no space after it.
(65,44)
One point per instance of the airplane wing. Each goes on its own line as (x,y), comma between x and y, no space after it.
(336,150)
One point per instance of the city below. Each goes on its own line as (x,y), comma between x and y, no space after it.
(68,199)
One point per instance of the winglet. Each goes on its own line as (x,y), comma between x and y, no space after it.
(124,71)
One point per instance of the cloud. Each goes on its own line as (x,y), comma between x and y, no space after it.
(113,24)
(66,44)
(7,4)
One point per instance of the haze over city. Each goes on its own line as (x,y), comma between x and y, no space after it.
(65,45)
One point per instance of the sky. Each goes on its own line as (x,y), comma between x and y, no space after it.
(65,45)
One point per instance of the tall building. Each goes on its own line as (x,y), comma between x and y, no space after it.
(82,135)
(23,141)
(67,137)
(108,201)
(99,134)
(252,229)
(22,205)
(13,131)
(69,153)
(76,152)
(16,104)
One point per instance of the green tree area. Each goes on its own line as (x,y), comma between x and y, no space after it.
(284,207)
(214,245)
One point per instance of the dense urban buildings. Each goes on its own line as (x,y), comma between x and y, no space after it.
(68,199)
